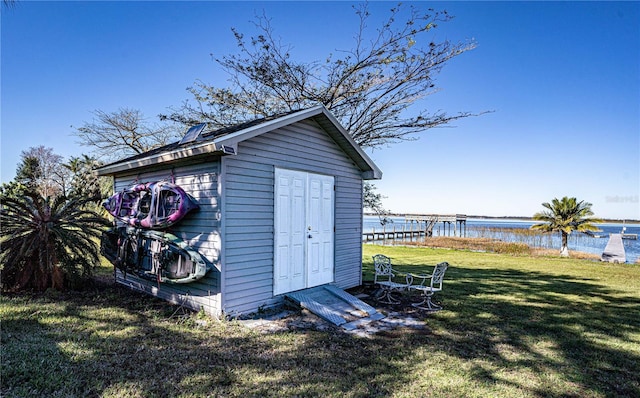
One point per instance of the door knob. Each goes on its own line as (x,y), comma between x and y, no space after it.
(309,236)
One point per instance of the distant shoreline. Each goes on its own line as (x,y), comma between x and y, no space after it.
(521,218)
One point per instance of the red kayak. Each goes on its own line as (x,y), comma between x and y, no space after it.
(152,205)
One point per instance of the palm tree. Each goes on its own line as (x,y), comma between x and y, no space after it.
(46,240)
(565,216)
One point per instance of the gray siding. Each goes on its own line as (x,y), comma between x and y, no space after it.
(201,229)
(235,224)
(248,203)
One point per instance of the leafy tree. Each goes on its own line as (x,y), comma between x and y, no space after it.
(84,181)
(368,88)
(47,242)
(565,216)
(372,200)
(12,188)
(29,172)
(40,170)
(122,133)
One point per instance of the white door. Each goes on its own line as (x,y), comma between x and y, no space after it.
(320,230)
(303,230)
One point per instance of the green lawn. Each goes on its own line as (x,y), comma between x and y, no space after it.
(512,327)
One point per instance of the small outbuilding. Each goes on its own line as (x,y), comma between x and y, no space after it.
(280,209)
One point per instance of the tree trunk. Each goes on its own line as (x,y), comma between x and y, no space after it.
(41,279)
(24,275)
(57,278)
(564,251)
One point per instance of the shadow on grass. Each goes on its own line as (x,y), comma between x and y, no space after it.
(502,331)
(120,343)
(549,327)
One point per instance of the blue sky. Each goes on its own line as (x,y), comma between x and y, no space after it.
(562,80)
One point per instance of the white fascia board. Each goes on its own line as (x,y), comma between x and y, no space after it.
(228,140)
(371,171)
(372,175)
(254,131)
(164,157)
(228,144)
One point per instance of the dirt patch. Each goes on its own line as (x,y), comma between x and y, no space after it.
(399,318)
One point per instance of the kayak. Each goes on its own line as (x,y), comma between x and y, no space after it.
(153,205)
(154,255)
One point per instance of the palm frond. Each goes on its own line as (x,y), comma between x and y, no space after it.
(565,215)
(42,236)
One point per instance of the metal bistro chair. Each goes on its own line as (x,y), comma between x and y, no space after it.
(386,277)
(429,285)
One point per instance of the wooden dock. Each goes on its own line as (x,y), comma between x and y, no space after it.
(394,233)
(457,221)
(614,251)
(423,228)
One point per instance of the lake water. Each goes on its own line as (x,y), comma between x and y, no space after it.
(499,229)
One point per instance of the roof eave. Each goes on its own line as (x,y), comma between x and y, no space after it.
(372,175)
(327,121)
(370,170)
(228,144)
(164,157)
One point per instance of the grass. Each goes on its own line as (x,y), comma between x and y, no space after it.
(494,245)
(512,327)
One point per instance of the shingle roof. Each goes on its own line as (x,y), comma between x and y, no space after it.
(224,142)
(204,137)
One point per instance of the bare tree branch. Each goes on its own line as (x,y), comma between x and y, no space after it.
(368,88)
(124,132)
